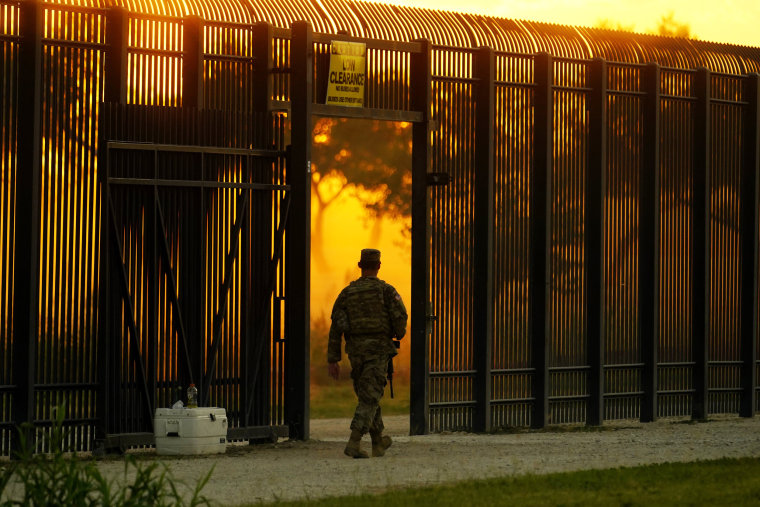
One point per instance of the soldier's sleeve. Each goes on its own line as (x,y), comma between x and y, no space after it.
(397,311)
(338,326)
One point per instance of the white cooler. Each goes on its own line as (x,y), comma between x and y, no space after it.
(201,430)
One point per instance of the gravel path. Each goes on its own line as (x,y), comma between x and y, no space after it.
(318,468)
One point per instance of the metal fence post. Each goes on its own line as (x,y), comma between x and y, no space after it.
(594,227)
(27,217)
(700,254)
(257,258)
(420,100)
(263,63)
(114,91)
(152,274)
(117,33)
(482,304)
(105,295)
(749,244)
(649,242)
(539,284)
(299,233)
(192,62)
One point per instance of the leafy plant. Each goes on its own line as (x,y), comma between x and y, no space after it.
(61,478)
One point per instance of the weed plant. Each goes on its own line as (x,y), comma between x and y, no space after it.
(62,478)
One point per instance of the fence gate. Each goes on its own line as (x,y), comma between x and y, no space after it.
(193,213)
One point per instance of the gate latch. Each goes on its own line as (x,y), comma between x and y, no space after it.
(430,318)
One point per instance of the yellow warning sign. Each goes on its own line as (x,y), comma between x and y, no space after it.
(345,84)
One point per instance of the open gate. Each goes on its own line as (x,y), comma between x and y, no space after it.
(583,231)
(193,226)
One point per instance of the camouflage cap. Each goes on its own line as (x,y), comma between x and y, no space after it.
(370,256)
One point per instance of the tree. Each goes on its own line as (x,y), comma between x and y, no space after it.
(669,27)
(371,160)
(608,24)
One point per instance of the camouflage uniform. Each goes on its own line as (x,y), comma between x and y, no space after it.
(369,313)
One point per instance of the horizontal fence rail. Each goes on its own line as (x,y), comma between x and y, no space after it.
(590,232)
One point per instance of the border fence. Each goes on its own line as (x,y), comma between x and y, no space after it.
(614,244)
(584,216)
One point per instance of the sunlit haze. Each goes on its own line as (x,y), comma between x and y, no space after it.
(347,231)
(728,21)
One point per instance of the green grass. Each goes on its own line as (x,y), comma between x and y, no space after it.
(337,399)
(733,482)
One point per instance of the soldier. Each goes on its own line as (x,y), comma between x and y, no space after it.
(370,314)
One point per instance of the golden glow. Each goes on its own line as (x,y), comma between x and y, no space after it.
(346,232)
(732,21)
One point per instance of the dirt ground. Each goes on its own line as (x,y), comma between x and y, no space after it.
(317,468)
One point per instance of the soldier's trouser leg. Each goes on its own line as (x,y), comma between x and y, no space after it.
(377,426)
(380,442)
(369,376)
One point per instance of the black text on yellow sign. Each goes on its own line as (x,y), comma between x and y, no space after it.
(345,83)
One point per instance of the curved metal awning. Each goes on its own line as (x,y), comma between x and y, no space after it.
(399,23)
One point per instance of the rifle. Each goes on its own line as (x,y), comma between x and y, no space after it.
(396,344)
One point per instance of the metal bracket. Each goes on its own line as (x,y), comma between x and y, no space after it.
(430,318)
(438,179)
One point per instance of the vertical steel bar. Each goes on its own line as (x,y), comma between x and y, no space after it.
(115,91)
(483,248)
(27,216)
(322,67)
(150,257)
(594,227)
(701,244)
(540,236)
(263,64)
(649,241)
(105,298)
(197,261)
(421,96)
(748,232)
(192,62)
(202,304)
(262,94)
(299,233)
(115,79)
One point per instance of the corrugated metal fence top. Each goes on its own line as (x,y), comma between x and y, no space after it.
(398,23)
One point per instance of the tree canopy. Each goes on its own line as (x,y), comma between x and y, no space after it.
(369,159)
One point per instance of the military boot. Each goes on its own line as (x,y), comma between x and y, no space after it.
(353,447)
(380,443)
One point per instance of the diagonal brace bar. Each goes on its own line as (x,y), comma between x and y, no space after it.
(166,256)
(129,310)
(223,293)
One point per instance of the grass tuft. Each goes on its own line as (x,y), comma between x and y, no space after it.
(62,478)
